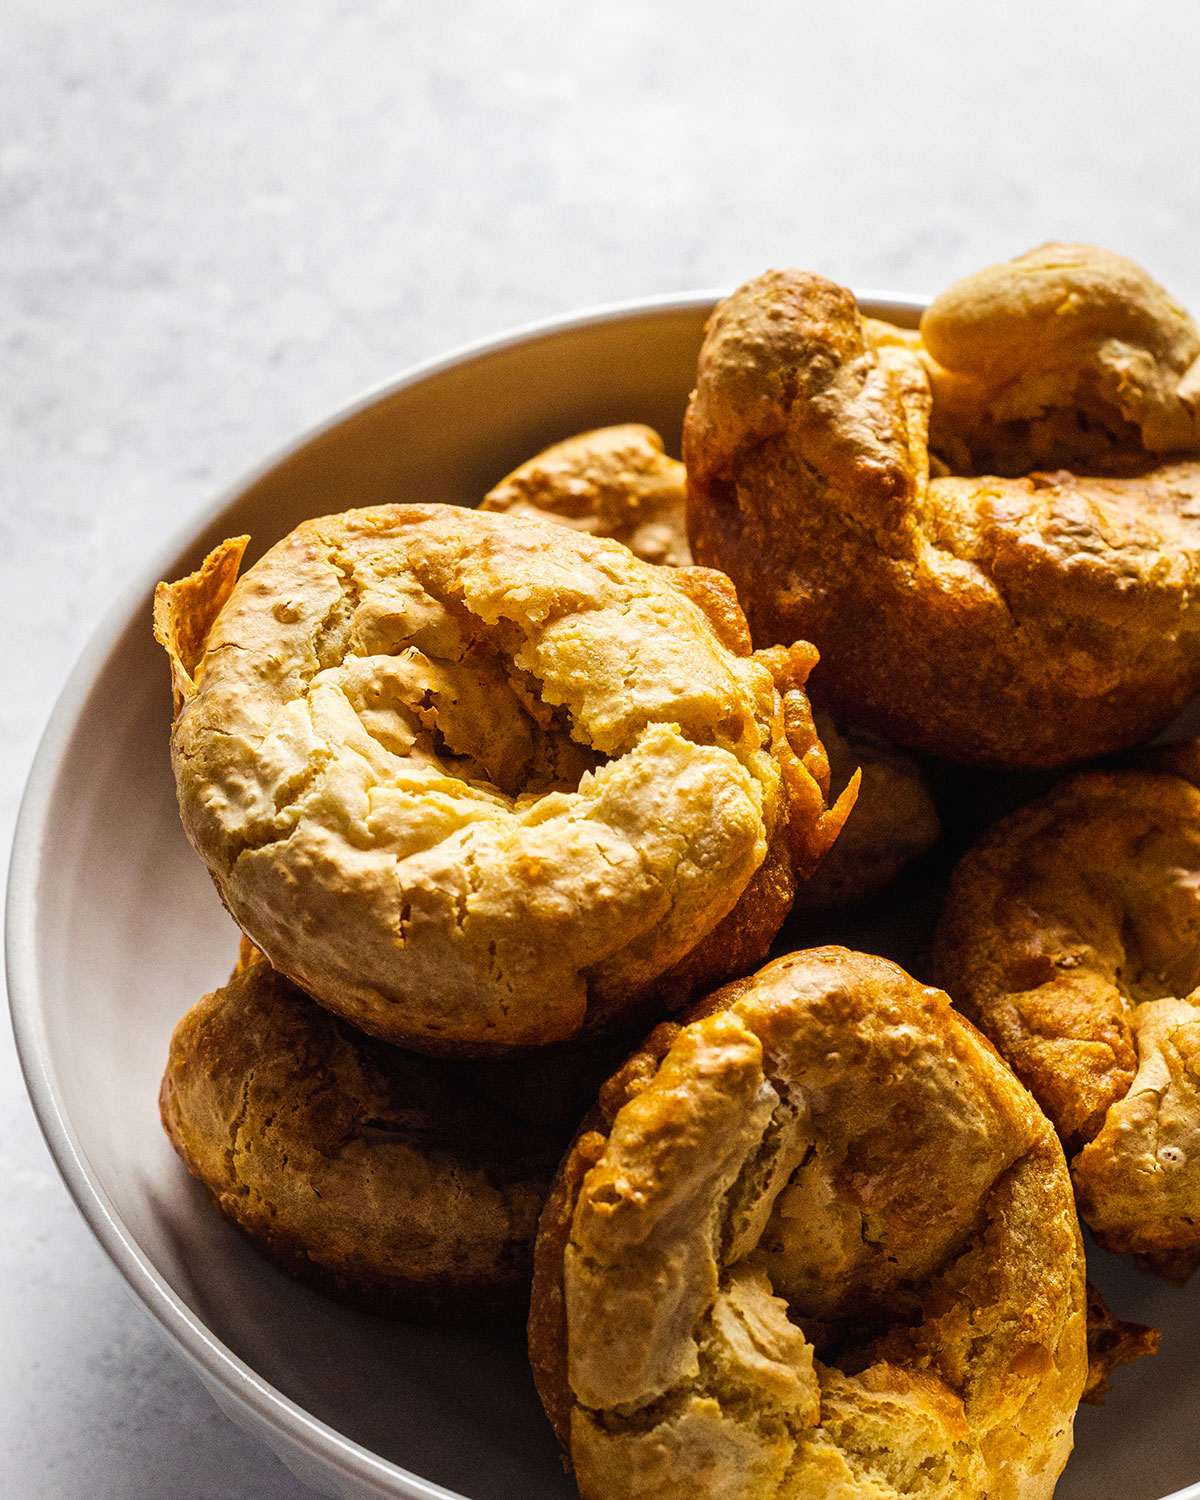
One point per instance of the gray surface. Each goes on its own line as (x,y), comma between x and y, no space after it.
(218,221)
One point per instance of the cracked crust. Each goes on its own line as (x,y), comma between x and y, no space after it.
(990,530)
(476,781)
(1071,936)
(393,1183)
(814,1240)
(617,482)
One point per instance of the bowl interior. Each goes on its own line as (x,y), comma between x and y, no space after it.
(115,931)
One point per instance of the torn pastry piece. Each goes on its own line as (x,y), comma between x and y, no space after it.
(990,529)
(814,1240)
(618,482)
(893,821)
(477,782)
(1111,1344)
(1071,936)
(394,1183)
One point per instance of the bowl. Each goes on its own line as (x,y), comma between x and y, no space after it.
(114,931)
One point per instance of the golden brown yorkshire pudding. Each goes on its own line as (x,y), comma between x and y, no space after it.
(612,481)
(1067,357)
(1071,936)
(389,1181)
(618,482)
(815,1241)
(1033,615)
(476,781)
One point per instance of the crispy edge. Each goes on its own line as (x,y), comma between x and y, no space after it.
(184,613)
(1111,1342)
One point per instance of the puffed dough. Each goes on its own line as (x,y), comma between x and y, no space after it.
(991,529)
(618,482)
(383,1179)
(1071,936)
(612,481)
(478,781)
(1067,357)
(815,1241)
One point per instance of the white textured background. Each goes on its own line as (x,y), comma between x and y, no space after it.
(220,220)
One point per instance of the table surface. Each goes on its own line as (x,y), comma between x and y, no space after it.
(220,221)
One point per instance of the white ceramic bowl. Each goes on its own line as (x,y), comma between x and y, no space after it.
(114,931)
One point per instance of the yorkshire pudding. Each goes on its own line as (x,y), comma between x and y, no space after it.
(990,530)
(612,481)
(816,1240)
(1071,936)
(386,1180)
(618,482)
(476,781)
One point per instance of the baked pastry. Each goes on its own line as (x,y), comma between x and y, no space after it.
(395,1183)
(618,482)
(1071,936)
(612,481)
(991,529)
(816,1240)
(477,782)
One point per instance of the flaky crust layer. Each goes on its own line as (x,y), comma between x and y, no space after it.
(479,781)
(1071,936)
(814,1241)
(991,530)
(392,1182)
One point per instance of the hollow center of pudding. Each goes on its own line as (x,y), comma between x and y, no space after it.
(842,1244)
(884,1151)
(430,683)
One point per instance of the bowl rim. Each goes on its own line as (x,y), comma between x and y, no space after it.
(217,1364)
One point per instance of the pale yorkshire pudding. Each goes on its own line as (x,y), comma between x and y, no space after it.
(618,482)
(1071,936)
(477,781)
(386,1180)
(814,1241)
(990,530)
